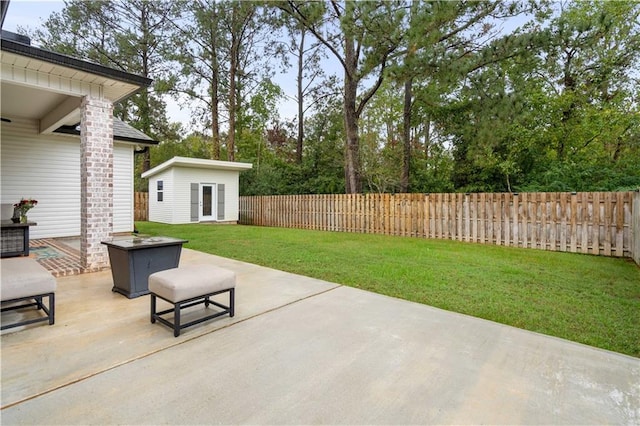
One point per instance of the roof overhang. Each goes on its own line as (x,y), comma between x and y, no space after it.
(197,163)
(4,6)
(122,132)
(48,87)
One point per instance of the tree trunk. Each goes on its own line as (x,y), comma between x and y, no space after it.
(427,138)
(300,99)
(215,81)
(233,69)
(215,125)
(145,111)
(352,149)
(406,136)
(569,83)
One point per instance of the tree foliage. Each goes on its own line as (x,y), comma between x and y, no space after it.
(391,96)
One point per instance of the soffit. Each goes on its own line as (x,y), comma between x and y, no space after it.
(21,70)
(50,92)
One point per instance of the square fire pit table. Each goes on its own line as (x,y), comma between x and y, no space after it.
(134,259)
(15,238)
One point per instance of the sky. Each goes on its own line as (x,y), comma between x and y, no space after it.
(31,14)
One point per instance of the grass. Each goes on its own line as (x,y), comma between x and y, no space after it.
(588,299)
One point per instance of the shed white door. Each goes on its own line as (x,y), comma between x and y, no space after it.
(207,201)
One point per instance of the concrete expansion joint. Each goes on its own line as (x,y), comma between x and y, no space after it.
(148,354)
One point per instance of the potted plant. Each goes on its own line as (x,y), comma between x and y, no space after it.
(21,208)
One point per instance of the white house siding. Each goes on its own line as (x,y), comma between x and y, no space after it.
(122,188)
(161,211)
(47,168)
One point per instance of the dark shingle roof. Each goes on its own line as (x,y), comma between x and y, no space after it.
(121,132)
(126,132)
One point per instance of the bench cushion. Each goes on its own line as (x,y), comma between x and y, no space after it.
(24,277)
(187,282)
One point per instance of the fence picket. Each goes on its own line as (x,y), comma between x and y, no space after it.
(607,224)
(574,223)
(620,223)
(585,219)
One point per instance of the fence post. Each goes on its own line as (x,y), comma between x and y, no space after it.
(635,227)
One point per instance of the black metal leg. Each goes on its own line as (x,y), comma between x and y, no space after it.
(36,301)
(176,320)
(199,300)
(206,302)
(153,308)
(52,308)
(26,241)
(232,302)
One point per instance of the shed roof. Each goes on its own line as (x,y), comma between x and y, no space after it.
(197,163)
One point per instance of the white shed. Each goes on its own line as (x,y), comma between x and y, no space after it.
(187,190)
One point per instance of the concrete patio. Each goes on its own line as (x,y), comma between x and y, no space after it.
(300,351)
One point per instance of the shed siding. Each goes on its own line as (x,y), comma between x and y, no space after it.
(161,211)
(47,168)
(184,177)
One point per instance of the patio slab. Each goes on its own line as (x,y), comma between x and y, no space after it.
(302,351)
(96,329)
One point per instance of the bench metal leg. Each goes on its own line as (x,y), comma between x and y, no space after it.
(52,308)
(153,308)
(176,320)
(177,324)
(37,302)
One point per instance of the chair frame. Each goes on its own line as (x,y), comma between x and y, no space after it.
(176,325)
(37,302)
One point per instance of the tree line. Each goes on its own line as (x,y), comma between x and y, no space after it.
(426,96)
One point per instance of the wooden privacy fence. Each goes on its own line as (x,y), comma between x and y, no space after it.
(141,206)
(587,222)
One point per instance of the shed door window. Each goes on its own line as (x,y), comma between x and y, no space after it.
(160,190)
(207,200)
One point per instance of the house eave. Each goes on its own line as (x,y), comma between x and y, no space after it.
(73,63)
(48,86)
(70,130)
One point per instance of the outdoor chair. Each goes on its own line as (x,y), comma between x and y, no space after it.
(25,283)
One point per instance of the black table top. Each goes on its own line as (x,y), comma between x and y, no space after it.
(10,224)
(135,243)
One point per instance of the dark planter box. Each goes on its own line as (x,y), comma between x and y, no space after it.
(134,259)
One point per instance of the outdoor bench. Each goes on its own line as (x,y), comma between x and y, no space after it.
(26,283)
(188,286)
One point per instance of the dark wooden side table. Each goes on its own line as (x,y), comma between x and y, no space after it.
(134,259)
(15,238)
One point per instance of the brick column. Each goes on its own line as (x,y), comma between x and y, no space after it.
(96,182)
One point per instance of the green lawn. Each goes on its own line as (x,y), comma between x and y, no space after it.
(588,299)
